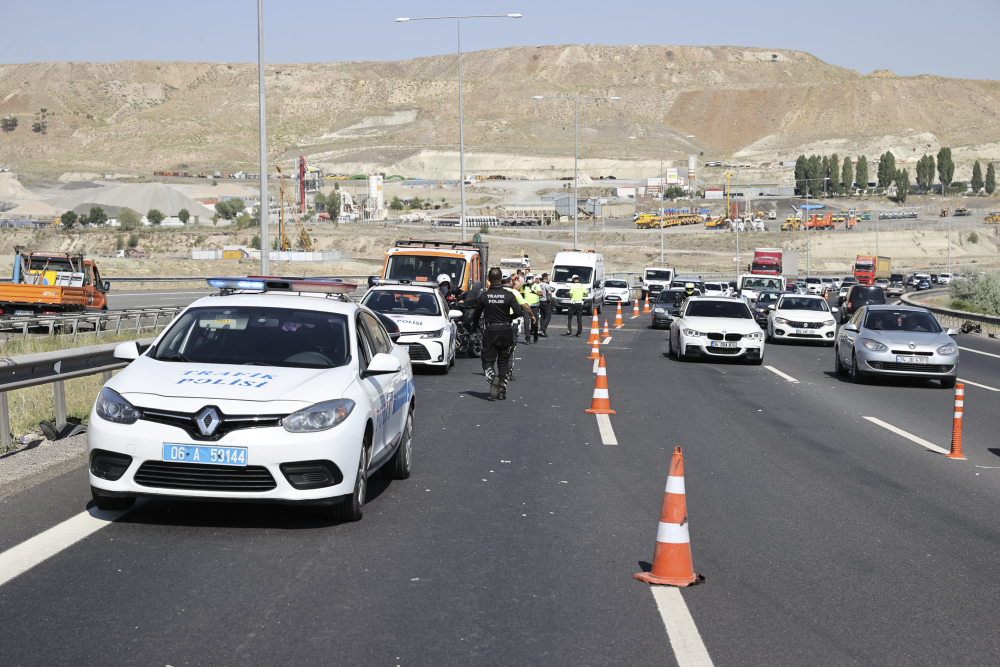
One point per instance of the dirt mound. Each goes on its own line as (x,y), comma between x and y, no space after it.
(11,188)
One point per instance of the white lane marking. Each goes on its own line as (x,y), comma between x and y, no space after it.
(908,436)
(685,640)
(976,384)
(606,340)
(607,433)
(43,546)
(988,354)
(777,372)
(633,317)
(597,362)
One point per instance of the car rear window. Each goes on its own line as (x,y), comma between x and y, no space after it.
(867,295)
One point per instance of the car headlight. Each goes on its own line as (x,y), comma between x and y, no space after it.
(434,334)
(112,407)
(829,323)
(780,320)
(657,310)
(693,333)
(754,336)
(873,345)
(318,417)
(947,349)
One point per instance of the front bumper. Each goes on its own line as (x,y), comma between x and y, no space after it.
(702,347)
(884,363)
(663,319)
(426,352)
(616,298)
(267,450)
(791,332)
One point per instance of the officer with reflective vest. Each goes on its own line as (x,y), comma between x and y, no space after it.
(532,294)
(577,292)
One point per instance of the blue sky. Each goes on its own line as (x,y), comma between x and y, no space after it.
(914,37)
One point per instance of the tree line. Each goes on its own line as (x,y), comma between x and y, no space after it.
(127,218)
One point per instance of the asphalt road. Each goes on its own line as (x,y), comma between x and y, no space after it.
(825,538)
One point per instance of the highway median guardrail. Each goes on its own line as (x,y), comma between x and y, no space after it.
(96,321)
(55,368)
(192,282)
(988,324)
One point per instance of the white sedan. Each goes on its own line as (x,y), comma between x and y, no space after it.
(426,329)
(268,392)
(716,327)
(617,291)
(802,318)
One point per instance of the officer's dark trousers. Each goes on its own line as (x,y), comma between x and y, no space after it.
(575,310)
(497,343)
(545,308)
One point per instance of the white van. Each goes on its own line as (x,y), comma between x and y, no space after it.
(587,264)
(654,279)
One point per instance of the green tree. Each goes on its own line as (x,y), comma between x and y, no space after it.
(243,220)
(119,243)
(801,173)
(128,219)
(184,215)
(320,201)
(862,177)
(977,178)
(396,204)
(824,173)
(8,124)
(991,179)
(133,238)
(215,218)
(902,185)
(886,170)
(847,177)
(255,242)
(835,175)
(230,208)
(416,203)
(97,216)
(945,168)
(333,203)
(69,218)
(154,216)
(925,173)
(973,237)
(255,216)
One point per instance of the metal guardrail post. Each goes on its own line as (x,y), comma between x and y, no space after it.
(4,423)
(106,375)
(59,393)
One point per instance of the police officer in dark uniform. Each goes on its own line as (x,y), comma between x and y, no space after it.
(496,304)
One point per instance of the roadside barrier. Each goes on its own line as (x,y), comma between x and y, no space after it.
(600,403)
(595,350)
(672,558)
(635,309)
(956,428)
(606,332)
(595,330)
(619,322)
(645,307)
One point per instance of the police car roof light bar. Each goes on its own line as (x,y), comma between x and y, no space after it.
(265,284)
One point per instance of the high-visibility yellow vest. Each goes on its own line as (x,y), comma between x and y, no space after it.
(517,295)
(531,294)
(577,292)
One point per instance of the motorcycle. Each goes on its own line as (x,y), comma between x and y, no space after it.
(467,340)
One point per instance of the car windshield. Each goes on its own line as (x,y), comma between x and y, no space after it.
(813,280)
(761,283)
(658,274)
(803,303)
(564,274)
(714,286)
(902,320)
(735,310)
(671,296)
(257,336)
(616,283)
(401,302)
(681,282)
(424,268)
(767,297)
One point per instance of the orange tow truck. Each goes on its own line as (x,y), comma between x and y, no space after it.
(52,282)
(817,222)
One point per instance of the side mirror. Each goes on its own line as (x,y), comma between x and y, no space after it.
(455,314)
(771,306)
(394,336)
(107,286)
(835,310)
(850,326)
(127,351)
(952,331)
(383,364)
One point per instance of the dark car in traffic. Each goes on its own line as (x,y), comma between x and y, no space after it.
(668,306)
(859,297)
(762,308)
(922,285)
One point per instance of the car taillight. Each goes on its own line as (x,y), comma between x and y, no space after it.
(849,304)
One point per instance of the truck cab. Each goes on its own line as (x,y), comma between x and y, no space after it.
(655,279)
(53,282)
(586,264)
(417,261)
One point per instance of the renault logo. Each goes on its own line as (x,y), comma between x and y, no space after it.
(913,345)
(208,420)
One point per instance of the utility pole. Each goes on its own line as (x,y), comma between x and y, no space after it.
(265,208)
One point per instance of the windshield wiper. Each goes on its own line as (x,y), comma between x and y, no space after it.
(255,363)
(174,357)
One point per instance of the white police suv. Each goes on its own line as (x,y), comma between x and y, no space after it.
(426,329)
(279,390)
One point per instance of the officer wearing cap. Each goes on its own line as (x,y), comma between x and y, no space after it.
(531,292)
(576,294)
(497,304)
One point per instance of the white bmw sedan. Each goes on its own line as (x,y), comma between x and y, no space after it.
(716,327)
(269,392)
(426,329)
(802,317)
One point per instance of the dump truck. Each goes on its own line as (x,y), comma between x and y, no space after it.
(52,282)
(944,213)
(866,214)
(416,260)
(961,210)
(869,268)
(817,222)
(792,223)
(992,219)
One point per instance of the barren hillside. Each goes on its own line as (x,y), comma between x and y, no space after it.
(764,104)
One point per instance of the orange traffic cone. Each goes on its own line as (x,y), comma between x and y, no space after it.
(645,306)
(619,322)
(606,332)
(595,330)
(635,309)
(672,558)
(595,350)
(599,404)
(956,428)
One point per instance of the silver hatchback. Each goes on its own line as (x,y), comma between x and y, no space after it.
(896,340)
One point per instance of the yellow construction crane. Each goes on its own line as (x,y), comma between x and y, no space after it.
(304,239)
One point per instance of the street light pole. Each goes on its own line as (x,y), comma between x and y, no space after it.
(265,209)
(461,118)
(663,185)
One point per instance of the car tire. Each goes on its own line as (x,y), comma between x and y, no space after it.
(856,375)
(443,369)
(398,467)
(948,383)
(352,508)
(680,352)
(838,368)
(756,361)
(112,502)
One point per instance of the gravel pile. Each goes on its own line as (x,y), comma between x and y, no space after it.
(40,460)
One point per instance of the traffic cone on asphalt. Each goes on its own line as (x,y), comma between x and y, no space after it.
(595,330)
(606,332)
(595,351)
(672,558)
(956,429)
(645,306)
(635,309)
(619,322)
(599,404)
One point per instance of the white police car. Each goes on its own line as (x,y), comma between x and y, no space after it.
(276,390)
(426,329)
